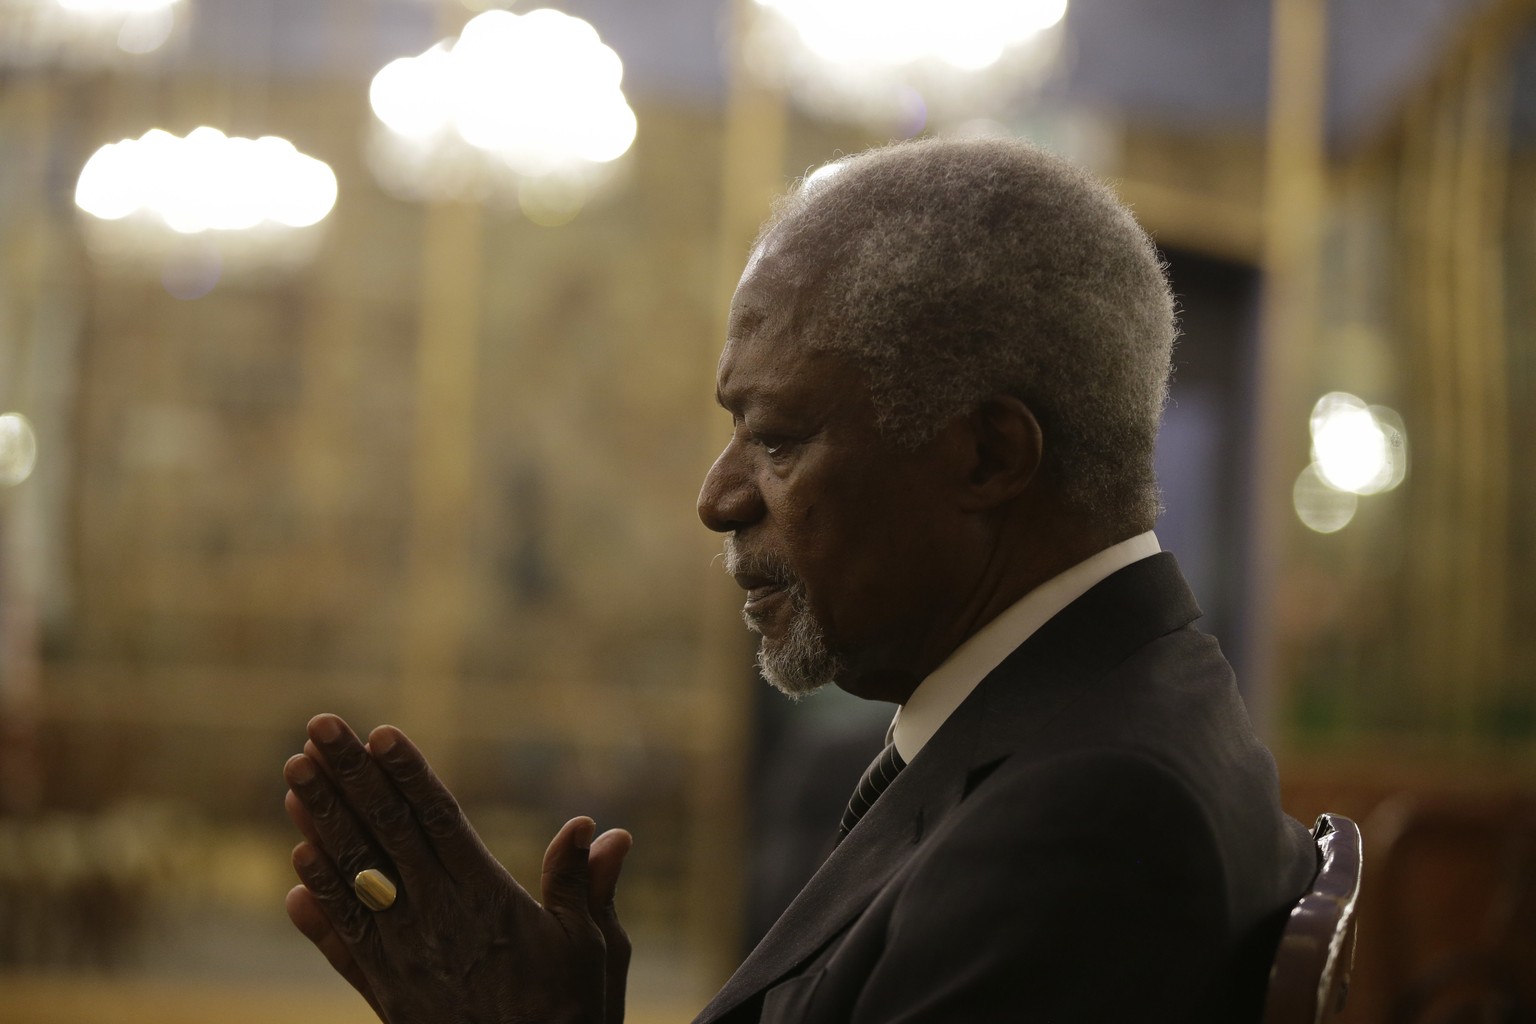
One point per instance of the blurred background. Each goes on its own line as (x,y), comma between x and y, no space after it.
(357,356)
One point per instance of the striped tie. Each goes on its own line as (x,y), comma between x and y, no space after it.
(876,778)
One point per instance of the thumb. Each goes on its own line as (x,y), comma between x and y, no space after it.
(604,861)
(564,879)
(603,864)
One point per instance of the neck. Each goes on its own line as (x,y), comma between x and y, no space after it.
(1010,560)
(1028,552)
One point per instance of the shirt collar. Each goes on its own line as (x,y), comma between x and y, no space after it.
(937,696)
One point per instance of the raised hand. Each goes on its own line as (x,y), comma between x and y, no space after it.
(462,941)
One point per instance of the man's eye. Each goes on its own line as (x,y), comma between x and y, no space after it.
(774,445)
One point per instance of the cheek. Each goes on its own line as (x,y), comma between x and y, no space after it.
(795,509)
(826,529)
(809,537)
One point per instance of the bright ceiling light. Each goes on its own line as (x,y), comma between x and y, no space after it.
(206,182)
(410,94)
(245,200)
(515,102)
(86,32)
(1357,448)
(971,34)
(121,7)
(889,60)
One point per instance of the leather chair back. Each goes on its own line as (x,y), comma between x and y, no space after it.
(1310,977)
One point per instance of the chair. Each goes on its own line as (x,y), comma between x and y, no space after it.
(1310,976)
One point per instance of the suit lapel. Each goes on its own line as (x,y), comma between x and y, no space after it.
(841,888)
(1031,689)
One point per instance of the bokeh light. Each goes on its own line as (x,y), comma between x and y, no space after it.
(1357,448)
(1321,506)
(191,275)
(898,63)
(83,33)
(515,99)
(968,34)
(18,449)
(250,200)
(206,182)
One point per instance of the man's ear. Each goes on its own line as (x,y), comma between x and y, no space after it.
(1006,449)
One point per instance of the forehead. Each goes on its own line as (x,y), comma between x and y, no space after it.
(767,353)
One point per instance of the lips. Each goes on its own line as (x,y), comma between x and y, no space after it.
(766,578)
(760,589)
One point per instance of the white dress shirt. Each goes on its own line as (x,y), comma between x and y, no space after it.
(937,696)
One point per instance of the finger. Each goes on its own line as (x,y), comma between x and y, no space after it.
(563,882)
(436,812)
(364,785)
(351,922)
(376,803)
(346,842)
(300,817)
(295,807)
(308,918)
(603,863)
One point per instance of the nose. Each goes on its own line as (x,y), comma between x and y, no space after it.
(729,499)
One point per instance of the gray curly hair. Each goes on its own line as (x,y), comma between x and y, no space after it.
(953,270)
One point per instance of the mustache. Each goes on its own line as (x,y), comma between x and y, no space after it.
(768,566)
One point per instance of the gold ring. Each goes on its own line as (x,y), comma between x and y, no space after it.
(374,889)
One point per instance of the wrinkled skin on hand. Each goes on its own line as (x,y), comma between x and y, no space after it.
(463,942)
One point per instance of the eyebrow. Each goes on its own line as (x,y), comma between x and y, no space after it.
(749,319)
(739,397)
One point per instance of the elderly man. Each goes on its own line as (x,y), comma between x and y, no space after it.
(945,366)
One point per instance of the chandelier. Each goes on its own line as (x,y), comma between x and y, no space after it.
(901,64)
(206,201)
(519,108)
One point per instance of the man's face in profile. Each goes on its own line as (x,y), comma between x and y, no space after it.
(832,530)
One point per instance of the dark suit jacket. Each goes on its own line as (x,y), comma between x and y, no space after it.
(1094,835)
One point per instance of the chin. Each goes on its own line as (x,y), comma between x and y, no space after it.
(799,662)
(792,675)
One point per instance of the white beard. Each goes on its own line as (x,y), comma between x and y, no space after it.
(798,663)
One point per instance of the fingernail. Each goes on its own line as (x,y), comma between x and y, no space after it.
(585,833)
(301,769)
(382,741)
(304,855)
(326,729)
